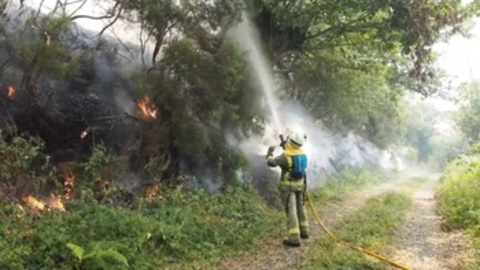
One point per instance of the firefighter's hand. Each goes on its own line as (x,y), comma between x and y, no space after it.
(270,151)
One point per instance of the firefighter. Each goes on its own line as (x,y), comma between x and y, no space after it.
(293,163)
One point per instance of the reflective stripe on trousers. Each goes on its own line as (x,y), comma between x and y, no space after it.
(292,195)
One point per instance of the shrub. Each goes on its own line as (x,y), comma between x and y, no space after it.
(23,167)
(183,226)
(459,196)
(459,199)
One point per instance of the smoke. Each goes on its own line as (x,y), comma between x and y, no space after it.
(328,152)
(111,56)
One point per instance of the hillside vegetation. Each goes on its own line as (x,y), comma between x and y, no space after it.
(174,228)
(120,155)
(458,196)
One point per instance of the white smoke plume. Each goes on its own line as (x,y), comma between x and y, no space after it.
(326,151)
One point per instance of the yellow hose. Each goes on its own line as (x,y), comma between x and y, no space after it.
(371,253)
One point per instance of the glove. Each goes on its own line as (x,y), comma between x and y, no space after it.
(270,151)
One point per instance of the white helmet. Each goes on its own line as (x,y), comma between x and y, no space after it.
(298,137)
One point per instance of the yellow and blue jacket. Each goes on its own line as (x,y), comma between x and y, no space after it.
(285,162)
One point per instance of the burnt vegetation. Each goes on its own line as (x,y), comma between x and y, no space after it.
(167,109)
(116,134)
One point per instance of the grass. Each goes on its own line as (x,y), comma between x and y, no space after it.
(178,229)
(369,227)
(338,186)
(459,197)
(183,229)
(335,190)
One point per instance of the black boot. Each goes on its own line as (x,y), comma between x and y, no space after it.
(286,242)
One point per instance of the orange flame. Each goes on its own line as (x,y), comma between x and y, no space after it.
(34,202)
(56,203)
(37,205)
(69,183)
(69,179)
(84,133)
(147,109)
(11,92)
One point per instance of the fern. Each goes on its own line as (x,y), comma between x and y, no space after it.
(98,256)
(78,251)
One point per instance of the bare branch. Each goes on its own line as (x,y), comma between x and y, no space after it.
(112,22)
(338,28)
(110,14)
(78,8)
(143,43)
(160,39)
(38,10)
(55,8)
(66,3)
(124,46)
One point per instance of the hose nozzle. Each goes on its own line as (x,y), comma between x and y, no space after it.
(282,141)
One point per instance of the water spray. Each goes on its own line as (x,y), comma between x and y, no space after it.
(259,67)
(327,150)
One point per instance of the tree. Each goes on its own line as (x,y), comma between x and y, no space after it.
(351,62)
(348,62)
(410,28)
(197,83)
(467,117)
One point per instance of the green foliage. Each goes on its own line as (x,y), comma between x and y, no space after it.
(418,135)
(369,227)
(459,199)
(182,228)
(351,62)
(347,180)
(201,97)
(433,146)
(23,164)
(352,98)
(467,118)
(46,55)
(458,196)
(378,26)
(446,148)
(98,256)
(98,176)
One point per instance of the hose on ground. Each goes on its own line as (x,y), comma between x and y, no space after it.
(368,252)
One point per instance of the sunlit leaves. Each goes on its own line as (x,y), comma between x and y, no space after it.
(386,26)
(468,118)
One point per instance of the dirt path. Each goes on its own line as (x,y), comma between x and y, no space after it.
(273,255)
(421,244)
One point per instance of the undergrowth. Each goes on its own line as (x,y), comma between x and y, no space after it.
(100,229)
(347,180)
(183,227)
(369,227)
(459,196)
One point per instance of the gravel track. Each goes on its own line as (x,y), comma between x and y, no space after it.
(273,255)
(421,243)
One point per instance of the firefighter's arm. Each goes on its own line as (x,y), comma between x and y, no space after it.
(279,160)
(272,161)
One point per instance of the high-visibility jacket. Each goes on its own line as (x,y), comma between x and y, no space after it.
(285,162)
